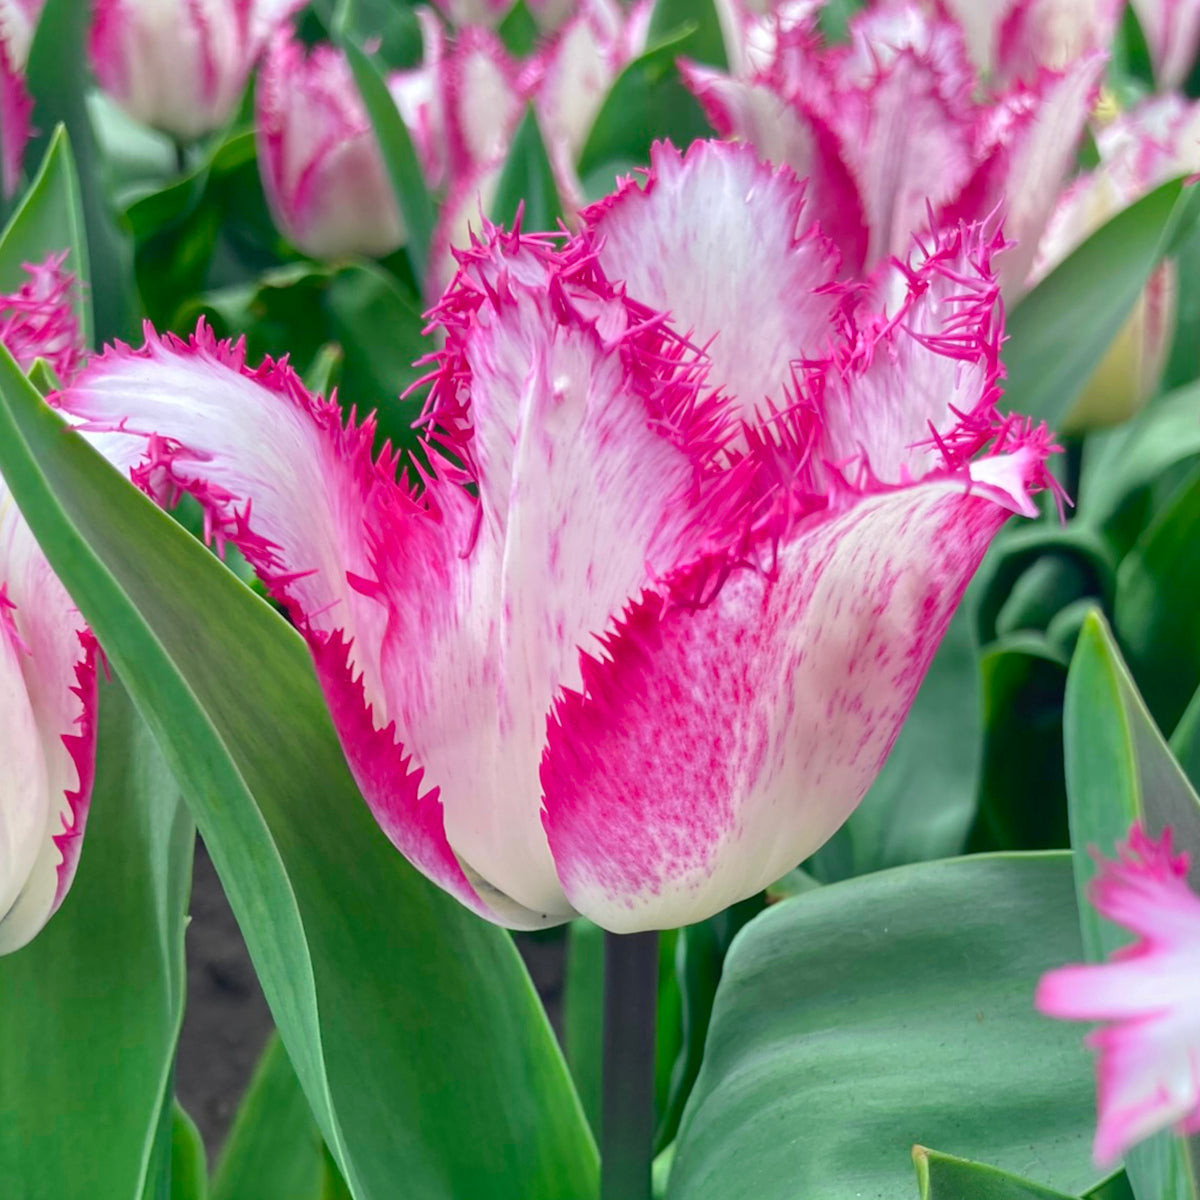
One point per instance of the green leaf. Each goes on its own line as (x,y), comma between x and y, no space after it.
(923,802)
(693,27)
(527,179)
(385,990)
(274,1150)
(189,1171)
(646,102)
(1059,332)
(399,157)
(48,221)
(858,1020)
(944,1177)
(92,1006)
(833,19)
(58,78)
(1120,770)
(518,31)
(1156,615)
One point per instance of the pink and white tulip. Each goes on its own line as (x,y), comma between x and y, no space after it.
(1157,141)
(180,65)
(47,663)
(1148,995)
(18,23)
(641,633)
(892,133)
(1172,32)
(321,167)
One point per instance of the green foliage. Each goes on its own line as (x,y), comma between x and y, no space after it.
(862,1018)
(527,182)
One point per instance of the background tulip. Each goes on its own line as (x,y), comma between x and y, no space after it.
(177,66)
(1157,141)
(47,662)
(1172,32)
(657,651)
(18,21)
(1148,1052)
(318,155)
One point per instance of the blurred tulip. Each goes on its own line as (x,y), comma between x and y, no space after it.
(1148,993)
(47,662)
(18,22)
(1172,32)
(1139,150)
(321,167)
(180,66)
(894,137)
(642,631)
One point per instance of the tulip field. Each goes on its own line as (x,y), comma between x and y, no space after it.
(707,490)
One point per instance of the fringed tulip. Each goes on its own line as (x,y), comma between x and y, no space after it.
(1148,995)
(1172,32)
(47,663)
(1140,149)
(180,66)
(689,524)
(892,132)
(18,22)
(321,167)
(1017,39)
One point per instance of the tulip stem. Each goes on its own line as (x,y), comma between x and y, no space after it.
(627,1116)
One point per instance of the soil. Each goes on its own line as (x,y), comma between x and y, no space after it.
(227,1022)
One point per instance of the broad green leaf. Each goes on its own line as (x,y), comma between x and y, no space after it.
(399,157)
(92,1006)
(697,20)
(274,1150)
(869,1016)
(1060,331)
(923,802)
(384,989)
(1156,615)
(944,1177)
(518,31)
(583,1014)
(48,221)
(58,79)
(527,181)
(189,1170)
(646,102)
(1120,770)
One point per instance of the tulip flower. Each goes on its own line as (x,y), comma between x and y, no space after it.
(18,22)
(1172,32)
(1148,993)
(896,139)
(321,167)
(180,67)
(1139,150)
(1017,39)
(47,663)
(690,521)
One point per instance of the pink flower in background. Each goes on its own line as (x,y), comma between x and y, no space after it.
(321,167)
(1017,39)
(47,661)
(1148,993)
(641,633)
(1152,143)
(180,65)
(18,22)
(892,132)
(1172,32)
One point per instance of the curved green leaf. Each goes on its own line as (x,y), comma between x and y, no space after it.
(944,1177)
(92,1006)
(385,990)
(857,1020)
